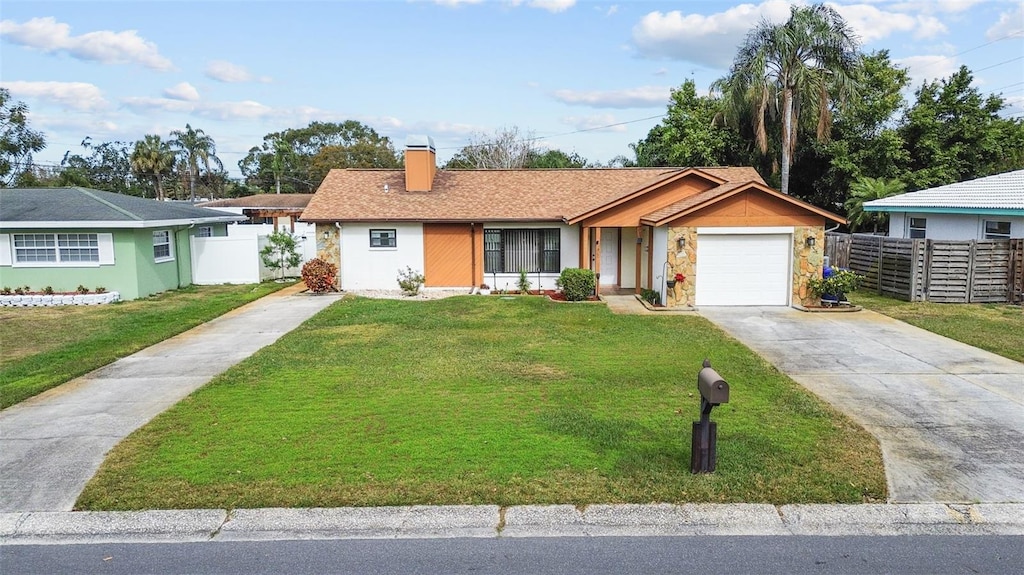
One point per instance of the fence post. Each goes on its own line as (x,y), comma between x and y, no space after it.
(970,270)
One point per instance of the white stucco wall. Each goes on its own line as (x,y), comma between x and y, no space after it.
(951,226)
(363,267)
(569,248)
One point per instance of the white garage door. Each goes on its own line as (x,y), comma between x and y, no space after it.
(743,269)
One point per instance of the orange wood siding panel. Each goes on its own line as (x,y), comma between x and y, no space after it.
(750,209)
(629,213)
(448,255)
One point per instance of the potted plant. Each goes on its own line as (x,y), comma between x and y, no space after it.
(678,278)
(485,289)
(834,284)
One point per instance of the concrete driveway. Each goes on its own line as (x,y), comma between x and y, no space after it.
(52,444)
(949,417)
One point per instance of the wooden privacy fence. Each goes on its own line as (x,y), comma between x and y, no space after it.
(933,270)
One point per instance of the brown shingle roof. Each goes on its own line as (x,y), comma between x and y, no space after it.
(486,195)
(298,201)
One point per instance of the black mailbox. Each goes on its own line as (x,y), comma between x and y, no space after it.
(712,387)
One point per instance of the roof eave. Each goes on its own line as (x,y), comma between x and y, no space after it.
(669,178)
(947,210)
(126,224)
(737,190)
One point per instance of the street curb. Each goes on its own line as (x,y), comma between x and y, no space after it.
(491,521)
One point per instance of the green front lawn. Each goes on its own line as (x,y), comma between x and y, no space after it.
(998,328)
(474,400)
(46,346)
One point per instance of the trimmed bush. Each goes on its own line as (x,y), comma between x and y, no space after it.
(319,275)
(577,284)
(410,280)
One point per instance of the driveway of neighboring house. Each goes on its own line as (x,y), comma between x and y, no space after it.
(949,417)
(52,444)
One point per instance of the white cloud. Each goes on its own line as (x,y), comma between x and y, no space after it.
(224,71)
(597,123)
(182,91)
(934,6)
(97,128)
(552,5)
(455,3)
(709,40)
(642,97)
(661,71)
(928,68)
(244,110)
(74,95)
(1010,24)
(50,36)
(872,24)
(612,10)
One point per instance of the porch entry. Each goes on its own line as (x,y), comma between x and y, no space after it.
(609,256)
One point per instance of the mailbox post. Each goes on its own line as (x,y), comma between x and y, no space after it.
(713,391)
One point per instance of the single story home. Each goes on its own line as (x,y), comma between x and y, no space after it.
(736,240)
(989,208)
(66,237)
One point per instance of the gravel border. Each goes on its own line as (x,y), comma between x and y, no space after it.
(424,295)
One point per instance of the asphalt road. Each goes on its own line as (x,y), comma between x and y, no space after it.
(555,556)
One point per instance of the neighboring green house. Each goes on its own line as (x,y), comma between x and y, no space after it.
(66,237)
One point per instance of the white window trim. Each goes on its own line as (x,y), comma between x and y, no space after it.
(104,242)
(911,229)
(199,233)
(985,234)
(170,247)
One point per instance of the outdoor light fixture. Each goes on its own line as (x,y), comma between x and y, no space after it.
(327,235)
(681,242)
(810,242)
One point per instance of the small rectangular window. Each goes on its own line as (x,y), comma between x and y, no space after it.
(917,227)
(383,239)
(997,230)
(162,246)
(205,232)
(57,248)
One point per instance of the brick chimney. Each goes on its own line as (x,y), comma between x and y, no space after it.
(420,164)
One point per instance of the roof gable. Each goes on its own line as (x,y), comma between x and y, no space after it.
(85,207)
(715,196)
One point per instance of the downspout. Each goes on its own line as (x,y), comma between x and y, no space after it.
(337,225)
(177,263)
(472,267)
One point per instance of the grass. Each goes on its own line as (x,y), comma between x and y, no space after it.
(44,347)
(998,328)
(474,400)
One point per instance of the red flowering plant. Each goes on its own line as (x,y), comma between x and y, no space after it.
(680,278)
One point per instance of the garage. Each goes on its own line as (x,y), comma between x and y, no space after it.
(743,269)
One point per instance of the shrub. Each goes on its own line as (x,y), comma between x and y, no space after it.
(650,296)
(577,284)
(48,290)
(319,275)
(524,282)
(410,280)
(5,291)
(838,283)
(100,289)
(22,290)
(82,289)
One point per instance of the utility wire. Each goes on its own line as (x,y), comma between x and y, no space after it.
(580,131)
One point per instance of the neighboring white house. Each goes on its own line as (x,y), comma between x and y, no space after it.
(989,208)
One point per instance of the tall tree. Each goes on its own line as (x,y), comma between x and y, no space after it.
(953,133)
(195,147)
(555,159)
(807,62)
(866,189)
(17,140)
(106,166)
(312,151)
(690,134)
(153,158)
(506,149)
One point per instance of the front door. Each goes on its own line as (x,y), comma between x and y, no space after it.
(609,256)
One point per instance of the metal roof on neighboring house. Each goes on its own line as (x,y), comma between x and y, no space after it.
(83,207)
(1002,193)
(262,201)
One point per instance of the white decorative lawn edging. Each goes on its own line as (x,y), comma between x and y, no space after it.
(58,299)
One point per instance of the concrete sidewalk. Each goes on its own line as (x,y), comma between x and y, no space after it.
(949,417)
(52,444)
(490,521)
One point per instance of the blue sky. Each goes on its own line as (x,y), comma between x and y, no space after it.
(446,68)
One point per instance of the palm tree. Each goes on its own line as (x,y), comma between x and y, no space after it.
(864,190)
(194,146)
(152,157)
(283,155)
(809,61)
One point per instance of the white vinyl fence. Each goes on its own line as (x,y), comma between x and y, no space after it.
(235,259)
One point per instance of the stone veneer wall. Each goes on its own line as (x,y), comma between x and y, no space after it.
(808,262)
(682,262)
(328,238)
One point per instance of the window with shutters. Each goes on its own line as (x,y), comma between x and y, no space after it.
(56,248)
